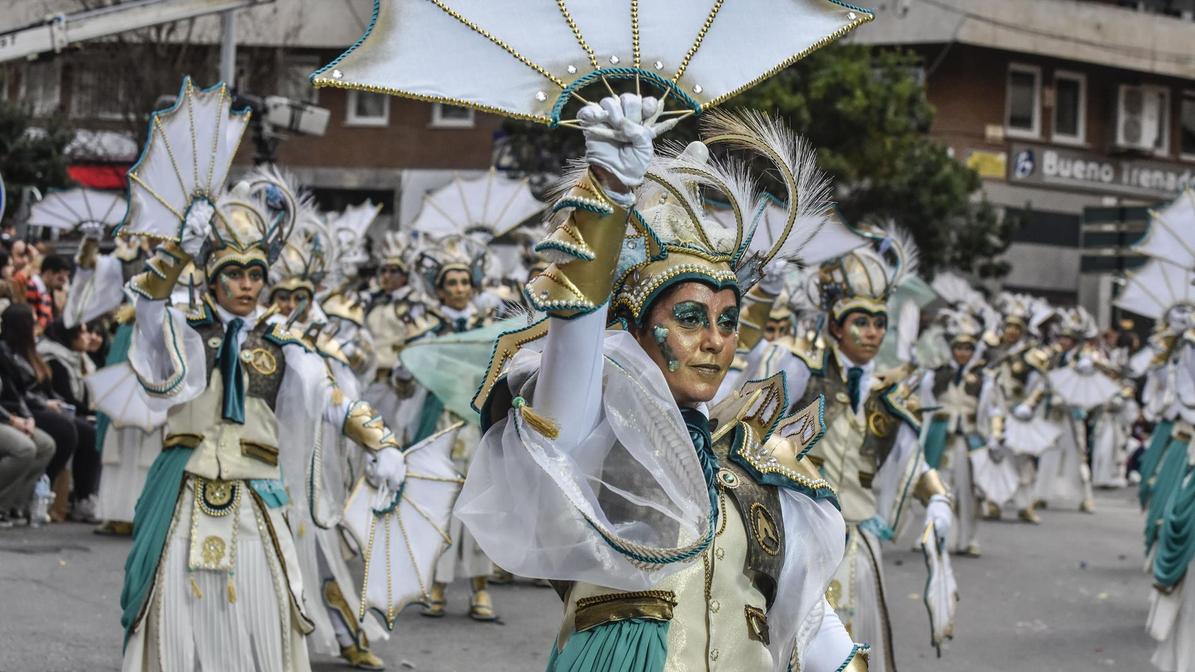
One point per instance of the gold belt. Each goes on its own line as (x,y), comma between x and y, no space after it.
(651,604)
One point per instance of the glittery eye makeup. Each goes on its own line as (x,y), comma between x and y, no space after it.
(728,321)
(691,315)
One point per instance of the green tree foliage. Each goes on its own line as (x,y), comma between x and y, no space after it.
(31,156)
(866,111)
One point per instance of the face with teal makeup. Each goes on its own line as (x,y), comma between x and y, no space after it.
(691,333)
(237,287)
(860,334)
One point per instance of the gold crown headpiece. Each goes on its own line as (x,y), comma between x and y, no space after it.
(252,222)
(396,250)
(454,252)
(677,239)
(863,279)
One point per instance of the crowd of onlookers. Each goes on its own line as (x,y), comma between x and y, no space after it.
(49,457)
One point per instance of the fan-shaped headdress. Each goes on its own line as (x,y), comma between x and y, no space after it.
(676,239)
(863,279)
(1077,323)
(396,250)
(303,262)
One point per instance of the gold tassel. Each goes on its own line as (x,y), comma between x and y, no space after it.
(232,591)
(537,422)
(195,589)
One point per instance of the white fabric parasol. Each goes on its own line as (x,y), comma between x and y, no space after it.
(403,534)
(941,590)
(490,204)
(1082,390)
(996,479)
(527,62)
(68,209)
(1156,287)
(119,395)
(833,239)
(1032,437)
(187,155)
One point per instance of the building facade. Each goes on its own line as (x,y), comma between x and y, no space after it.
(1070,111)
(375,147)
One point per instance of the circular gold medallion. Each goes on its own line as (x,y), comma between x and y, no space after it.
(763,526)
(261,360)
(212,550)
(879,423)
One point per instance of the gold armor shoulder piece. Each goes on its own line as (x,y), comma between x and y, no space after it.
(810,351)
(779,463)
(330,348)
(126,314)
(279,334)
(757,304)
(890,377)
(1038,358)
(363,425)
(505,347)
(759,403)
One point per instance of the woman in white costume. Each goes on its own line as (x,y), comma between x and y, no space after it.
(211,582)
(679,535)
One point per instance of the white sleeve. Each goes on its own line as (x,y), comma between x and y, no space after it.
(621,504)
(832,647)
(167,356)
(896,476)
(772,358)
(568,390)
(814,543)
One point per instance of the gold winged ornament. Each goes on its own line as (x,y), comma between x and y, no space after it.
(402,531)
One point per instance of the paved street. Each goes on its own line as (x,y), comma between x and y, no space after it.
(1066,596)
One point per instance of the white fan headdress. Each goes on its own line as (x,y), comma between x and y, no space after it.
(347,237)
(528,62)
(486,206)
(863,279)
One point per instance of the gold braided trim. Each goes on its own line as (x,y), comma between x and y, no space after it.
(568,17)
(656,605)
(502,43)
(864,303)
(705,28)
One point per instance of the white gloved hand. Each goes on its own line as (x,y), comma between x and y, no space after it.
(619,133)
(487,301)
(1022,412)
(386,467)
(940,513)
(1085,366)
(772,282)
(197,227)
(92,230)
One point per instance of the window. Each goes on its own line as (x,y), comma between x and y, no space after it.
(41,87)
(1187,126)
(451,116)
(367,109)
(99,92)
(1070,107)
(292,79)
(1162,139)
(1023,104)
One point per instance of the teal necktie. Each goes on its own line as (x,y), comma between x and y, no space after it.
(853,377)
(229,357)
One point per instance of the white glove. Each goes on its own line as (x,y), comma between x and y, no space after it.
(92,230)
(386,467)
(619,132)
(197,227)
(1085,366)
(1022,412)
(487,301)
(939,512)
(772,282)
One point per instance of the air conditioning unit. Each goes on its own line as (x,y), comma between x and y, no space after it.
(1140,116)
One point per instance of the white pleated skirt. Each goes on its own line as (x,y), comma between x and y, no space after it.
(191,623)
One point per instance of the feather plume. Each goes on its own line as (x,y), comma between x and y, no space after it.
(908,257)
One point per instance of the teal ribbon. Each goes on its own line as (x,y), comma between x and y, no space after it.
(429,415)
(229,356)
(854,376)
(1169,476)
(935,441)
(879,528)
(151,524)
(1151,458)
(1176,538)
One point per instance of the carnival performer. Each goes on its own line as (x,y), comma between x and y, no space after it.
(961,389)
(453,267)
(296,278)
(1018,367)
(211,581)
(662,521)
(871,453)
(1064,477)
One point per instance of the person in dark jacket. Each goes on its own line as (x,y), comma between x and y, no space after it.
(64,351)
(26,390)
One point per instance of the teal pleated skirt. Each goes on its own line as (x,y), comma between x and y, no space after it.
(636,645)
